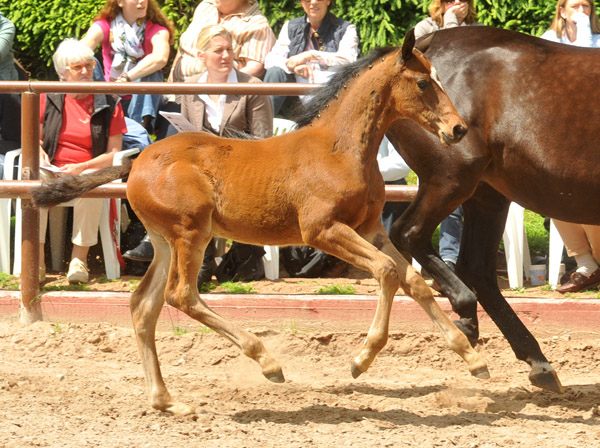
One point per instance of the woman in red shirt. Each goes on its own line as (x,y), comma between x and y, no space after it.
(79,132)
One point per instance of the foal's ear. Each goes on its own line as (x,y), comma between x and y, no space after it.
(408,45)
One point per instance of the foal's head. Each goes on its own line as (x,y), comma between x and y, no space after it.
(423,97)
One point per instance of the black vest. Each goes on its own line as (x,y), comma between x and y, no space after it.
(330,33)
(104,106)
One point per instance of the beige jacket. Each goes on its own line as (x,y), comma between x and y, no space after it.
(252,114)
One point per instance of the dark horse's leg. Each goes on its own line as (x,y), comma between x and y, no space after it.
(412,233)
(484,220)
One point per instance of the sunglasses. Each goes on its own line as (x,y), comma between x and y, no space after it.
(78,68)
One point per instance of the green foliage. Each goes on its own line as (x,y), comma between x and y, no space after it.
(337,290)
(237,288)
(8,281)
(42,24)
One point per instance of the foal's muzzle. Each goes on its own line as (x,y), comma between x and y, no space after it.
(458,132)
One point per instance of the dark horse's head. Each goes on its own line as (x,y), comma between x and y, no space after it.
(414,90)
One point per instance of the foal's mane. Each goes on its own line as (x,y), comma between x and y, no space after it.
(321,96)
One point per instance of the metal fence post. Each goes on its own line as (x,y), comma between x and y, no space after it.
(31,309)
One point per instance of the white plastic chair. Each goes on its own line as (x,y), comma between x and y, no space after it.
(6,211)
(56,218)
(516,249)
(271,257)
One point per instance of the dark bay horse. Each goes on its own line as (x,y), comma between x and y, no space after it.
(317,186)
(534,133)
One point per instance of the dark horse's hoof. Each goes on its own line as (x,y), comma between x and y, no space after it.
(276,377)
(470,330)
(355,371)
(548,381)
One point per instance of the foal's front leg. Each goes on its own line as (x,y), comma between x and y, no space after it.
(343,242)
(414,286)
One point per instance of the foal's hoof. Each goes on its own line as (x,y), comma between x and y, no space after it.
(276,377)
(482,373)
(547,380)
(178,409)
(355,370)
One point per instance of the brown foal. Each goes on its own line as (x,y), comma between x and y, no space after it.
(318,186)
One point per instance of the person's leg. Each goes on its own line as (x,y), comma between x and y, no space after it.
(575,238)
(450,233)
(43,227)
(144,108)
(136,136)
(276,74)
(86,220)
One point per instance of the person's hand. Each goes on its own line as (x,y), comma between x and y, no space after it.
(298,60)
(44,159)
(73,168)
(460,11)
(306,71)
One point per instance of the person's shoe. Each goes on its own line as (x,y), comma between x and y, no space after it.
(566,276)
(206,271)
(452,266)
(143,252)
(42,274)
(579,282)
(78,271)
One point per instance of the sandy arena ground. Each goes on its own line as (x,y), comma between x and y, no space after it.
(81,385)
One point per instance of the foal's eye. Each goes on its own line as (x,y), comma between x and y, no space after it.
(421,83)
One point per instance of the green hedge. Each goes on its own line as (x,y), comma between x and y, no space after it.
(42,24)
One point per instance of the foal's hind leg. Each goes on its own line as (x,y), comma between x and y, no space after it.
(182,293)
(146,303)
(414,286)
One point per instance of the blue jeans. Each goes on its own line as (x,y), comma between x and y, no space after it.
(276,74)
(136,135)
(144,105)
(140,105)
(450,233)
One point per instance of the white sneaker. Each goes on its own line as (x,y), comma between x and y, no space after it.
(78,271)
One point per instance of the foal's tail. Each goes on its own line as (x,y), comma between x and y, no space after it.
(64,188)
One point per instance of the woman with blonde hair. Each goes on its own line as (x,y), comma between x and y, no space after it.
(446,14)
(136,38)
(576,23)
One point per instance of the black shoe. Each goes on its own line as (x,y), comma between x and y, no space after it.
(209,266)
(143,252)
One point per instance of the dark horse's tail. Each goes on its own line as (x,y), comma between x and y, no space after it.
(64,188)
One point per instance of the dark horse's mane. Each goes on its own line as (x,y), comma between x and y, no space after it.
(323,95)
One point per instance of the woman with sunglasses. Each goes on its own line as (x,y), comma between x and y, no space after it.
(135,37)
(79,132)
(446,14)
(310,47)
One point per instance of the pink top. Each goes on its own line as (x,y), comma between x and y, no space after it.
(107,53)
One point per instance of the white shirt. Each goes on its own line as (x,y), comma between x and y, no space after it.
(585,38)
(322,67)
(214,112)
(391,164)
